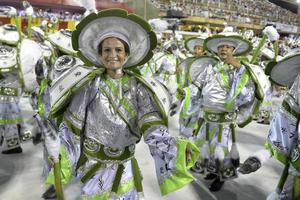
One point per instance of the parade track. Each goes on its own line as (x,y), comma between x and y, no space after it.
(21,174)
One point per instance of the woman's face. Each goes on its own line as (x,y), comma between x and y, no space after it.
(113,54)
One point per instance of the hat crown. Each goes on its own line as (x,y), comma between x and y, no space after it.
(130,28)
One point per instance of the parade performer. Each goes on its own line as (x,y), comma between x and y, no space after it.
(189,112)
(152,66)
(53,45)
(261,56)
(15,64)
(28,101)
(283,142)
(108,110)
(230,92)
(167,66)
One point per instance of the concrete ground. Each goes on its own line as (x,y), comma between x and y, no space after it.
(20,175)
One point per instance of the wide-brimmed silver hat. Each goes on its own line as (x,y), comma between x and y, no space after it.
(38,31)
(132,29)
(241,45)
(286,70)
(9,34)
(62,39)
(194,41)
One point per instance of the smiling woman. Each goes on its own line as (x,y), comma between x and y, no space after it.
(108,108)
(113,53)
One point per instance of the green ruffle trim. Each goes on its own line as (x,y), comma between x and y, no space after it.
(182,175)
(66,169)
(296,188)
(42,89)
(11,121)
(276,153)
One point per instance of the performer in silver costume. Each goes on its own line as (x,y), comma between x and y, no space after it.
(46,72)
(228,90)
(189,68)
(167,66)
(283,142)
(17,78)
(10,85)
(108,110)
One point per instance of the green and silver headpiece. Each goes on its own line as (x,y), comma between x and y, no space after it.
(241,45)
(130,28)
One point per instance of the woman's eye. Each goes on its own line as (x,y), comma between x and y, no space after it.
(106,50)
(119,50)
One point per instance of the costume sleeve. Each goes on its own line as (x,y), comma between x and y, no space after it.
(204,76)
(247,94)
(246,103)
(169,153)
(69,134)
(69,154)
(283,138)
(191,110)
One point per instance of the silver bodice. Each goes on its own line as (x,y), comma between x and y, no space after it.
(103,124)
(214,94)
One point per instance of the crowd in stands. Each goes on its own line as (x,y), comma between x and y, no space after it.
(246,11)
(62,15)
(49,14)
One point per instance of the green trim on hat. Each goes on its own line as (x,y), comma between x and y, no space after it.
(269,67)
(273,64)
(114,13)
(61,48)
(192,38)
(235,37)
(10,41)
(259,93)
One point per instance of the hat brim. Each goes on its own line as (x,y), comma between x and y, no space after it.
(192,42)
(10,37)
(243,46)
(285,71)
(141,37)
(63,42)
(198,66)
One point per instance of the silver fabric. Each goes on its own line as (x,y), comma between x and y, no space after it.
(47,49)
(194,42)
(64,63)
(136,34)
(28,60)
(9,134)
(62,39)
(112,34)
(105,126)
(8,57)
(198,66)
(10,80)
(102,122)
(214,95)
(241,45)
(9,34)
